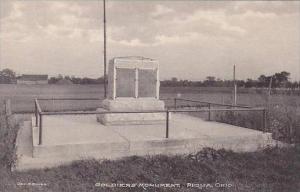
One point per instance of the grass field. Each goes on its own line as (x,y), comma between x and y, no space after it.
(22,96)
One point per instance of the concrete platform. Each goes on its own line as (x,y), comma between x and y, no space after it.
(131,104)
(67,138)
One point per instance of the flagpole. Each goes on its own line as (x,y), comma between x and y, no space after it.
(104,34)
(234,87)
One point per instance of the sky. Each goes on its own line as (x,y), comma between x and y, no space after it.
(190,39)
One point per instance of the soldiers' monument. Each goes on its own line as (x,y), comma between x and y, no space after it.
(133,85)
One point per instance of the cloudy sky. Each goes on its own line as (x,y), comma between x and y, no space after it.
(191,39)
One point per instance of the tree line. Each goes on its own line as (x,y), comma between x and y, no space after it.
(277,80)
(8,76)
(76,80)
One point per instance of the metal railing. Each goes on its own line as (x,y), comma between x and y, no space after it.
(208,104)
(38,119)
(68,99)
(39,113)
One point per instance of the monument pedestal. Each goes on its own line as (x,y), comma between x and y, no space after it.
(131,104)
(133,85)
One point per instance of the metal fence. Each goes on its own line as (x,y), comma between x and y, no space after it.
(207,104)
(39,113)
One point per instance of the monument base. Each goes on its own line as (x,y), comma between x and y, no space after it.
(131,104)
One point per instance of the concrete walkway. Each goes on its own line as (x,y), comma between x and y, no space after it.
(75,137)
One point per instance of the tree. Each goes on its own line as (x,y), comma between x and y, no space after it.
(249,83)
(281,78)
(7,76)
(174,79)
(60,76)
(210,81)
(52,80)
(211,78)
(264,81)
(67,78)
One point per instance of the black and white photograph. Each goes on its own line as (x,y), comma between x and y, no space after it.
(149,95)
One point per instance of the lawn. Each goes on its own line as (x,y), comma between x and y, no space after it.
(22,96)
(274,170)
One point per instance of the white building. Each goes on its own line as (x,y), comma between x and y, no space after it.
(33,79)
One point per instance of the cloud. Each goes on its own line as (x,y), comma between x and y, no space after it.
(261,36)
(257,15)
(273,7)
(50,18)
(176,39)
(215,18)
(161,10)
(132,43)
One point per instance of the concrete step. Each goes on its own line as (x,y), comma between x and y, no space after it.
(156,146)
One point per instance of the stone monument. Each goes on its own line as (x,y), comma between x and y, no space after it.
(133,85)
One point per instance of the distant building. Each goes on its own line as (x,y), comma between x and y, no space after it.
(32,79)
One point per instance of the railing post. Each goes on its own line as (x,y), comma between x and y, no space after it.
(209,113)
(264,120)
(8,111)
(7,104)
(40,129)
(36,113)
(167,124)
(175,103)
